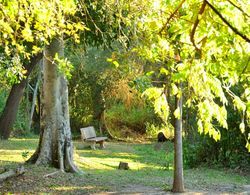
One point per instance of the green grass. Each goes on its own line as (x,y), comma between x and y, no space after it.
(148,167)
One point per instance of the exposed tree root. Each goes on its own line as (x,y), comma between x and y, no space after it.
(51,174)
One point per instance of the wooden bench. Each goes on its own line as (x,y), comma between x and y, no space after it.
(88,135)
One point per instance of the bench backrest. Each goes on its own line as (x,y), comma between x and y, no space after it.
(88,132)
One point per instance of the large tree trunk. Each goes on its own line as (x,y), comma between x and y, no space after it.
(178,185)
(11,107)
(55,144)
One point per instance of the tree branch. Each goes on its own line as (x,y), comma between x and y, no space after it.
(235,30)
(171,16)
(202,9)
(238,7)
(245,68)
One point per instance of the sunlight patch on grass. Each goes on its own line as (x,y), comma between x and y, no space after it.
(23,139)
(14,155)
(95,163)
(104,154)
(71,188)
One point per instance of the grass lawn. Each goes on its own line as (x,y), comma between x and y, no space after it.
(151,171)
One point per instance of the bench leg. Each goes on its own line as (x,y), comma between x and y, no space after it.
(102,144)
(92,146)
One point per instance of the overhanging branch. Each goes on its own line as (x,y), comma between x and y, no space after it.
(235,30)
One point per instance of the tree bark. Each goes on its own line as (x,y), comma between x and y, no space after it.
(11,107)
(178,185)
(55,144)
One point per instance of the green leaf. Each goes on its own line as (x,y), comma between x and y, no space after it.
(116,64)
(242,127)
(27,34)
(177,113)
(174,89)
(164,71)
(216,135)
(248,146)
(200,126)
(240,105)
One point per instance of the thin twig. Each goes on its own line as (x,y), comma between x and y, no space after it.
(238,7)
(244,69)
(162,82)
(235,30)
(171,16)
(202,9)
(88,16)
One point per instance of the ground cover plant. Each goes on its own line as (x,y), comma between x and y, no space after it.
(151,170)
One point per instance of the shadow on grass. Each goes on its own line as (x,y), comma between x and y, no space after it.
(148,167)
(18,144)
(140,156)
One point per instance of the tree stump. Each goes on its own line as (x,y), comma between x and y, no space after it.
(123,166)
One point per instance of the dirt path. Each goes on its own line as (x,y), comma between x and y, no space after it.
(146,190)
(72,184)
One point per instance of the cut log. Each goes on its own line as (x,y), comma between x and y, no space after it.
(123,166)
(12,173)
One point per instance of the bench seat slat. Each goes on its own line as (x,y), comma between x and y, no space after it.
(96,139)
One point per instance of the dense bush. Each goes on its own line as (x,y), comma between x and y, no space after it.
(90,76)
(225,153)
(3,97)
(123,121)
(20,126)
(229,151)
(153,129)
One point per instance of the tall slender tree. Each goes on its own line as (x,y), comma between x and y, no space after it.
(178,184)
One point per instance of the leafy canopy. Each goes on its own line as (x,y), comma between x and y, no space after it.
(26,26)
(205,45)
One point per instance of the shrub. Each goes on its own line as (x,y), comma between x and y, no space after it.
(153,129)
(20,127)
(124,120)
(225,153)
(3,97)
